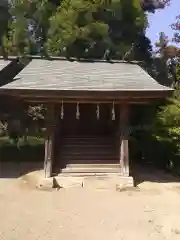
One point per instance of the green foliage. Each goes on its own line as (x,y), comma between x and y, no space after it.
(32,150)
(176,28)
(73,25)
(167,63)
(4,18)
(31,141)
(79,28)
(90,28)
(166,133)
(178,71)
(36,113)
(168,120)
(3,128)
(27,26)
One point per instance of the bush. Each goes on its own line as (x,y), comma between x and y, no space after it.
(33,150)
(159,142)
(162,143)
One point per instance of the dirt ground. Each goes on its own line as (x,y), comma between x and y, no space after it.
(151,211)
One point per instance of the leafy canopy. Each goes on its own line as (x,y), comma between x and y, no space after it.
(80,28)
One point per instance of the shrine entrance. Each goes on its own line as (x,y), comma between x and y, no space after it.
(86,137)
(88,119)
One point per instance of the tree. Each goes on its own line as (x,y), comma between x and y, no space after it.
(79,28)
(4,18)
(112,28)
(176,28)
(167,122)
(166,61)
(27,28)
(152,5)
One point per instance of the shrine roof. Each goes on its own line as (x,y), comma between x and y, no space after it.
(63,75)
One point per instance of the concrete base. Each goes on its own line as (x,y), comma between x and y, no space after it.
(125,183)
(47,183)
(118,183)
(96,182)
(69,182)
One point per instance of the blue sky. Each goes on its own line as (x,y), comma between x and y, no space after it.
(161,20)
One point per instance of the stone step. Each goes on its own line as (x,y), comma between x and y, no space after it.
(111,181)
(79,151)
(87,174)
(87,140)
(84,152)
(90,170)
(87,137)
(93,165)
(86,162)
(92,160)
(86,145)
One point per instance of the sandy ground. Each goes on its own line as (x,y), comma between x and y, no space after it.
(152,211)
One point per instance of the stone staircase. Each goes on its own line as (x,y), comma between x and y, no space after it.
(87,154)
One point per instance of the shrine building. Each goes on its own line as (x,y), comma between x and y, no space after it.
(89,107)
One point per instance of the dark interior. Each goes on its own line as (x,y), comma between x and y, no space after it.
(87,140)
(88,123)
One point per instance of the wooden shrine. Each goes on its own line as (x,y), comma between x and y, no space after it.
(88,111)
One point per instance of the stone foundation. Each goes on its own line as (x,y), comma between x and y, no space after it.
(119,183)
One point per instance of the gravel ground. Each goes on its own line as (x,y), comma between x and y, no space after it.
(150,212)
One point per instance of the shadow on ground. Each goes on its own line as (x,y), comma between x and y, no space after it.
(151,174)
(18,169)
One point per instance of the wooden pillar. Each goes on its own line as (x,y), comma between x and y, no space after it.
(49,140)
(124,134)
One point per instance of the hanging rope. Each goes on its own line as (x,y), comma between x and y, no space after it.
(62,110)
(77,111)
(97,111)
(113,113)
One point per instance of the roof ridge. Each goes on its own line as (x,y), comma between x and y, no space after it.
(74,59)
(71,59)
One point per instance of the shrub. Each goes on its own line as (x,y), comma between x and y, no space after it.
(33,150)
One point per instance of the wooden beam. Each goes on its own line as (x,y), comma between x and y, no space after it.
(49,140)
(140,101)
(48,157)
(124,132)
(99,98)
(84,94)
